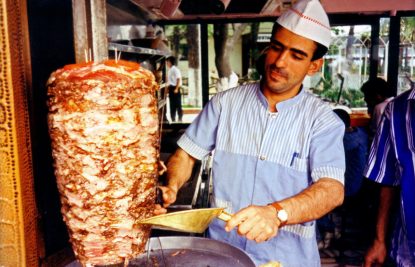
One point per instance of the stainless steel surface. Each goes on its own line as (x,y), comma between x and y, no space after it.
(178,251)
(194,252)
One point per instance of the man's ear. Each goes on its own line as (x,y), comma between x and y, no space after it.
(315,66)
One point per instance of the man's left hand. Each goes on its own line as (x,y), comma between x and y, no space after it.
(257,223)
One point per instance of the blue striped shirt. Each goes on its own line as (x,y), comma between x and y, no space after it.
(392,162)
(262,157)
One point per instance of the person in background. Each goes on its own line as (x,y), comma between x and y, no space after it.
(377,94)
(355,143)
(278,161)
(174,81)
(392,164)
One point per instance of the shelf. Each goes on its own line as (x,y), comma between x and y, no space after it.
(135,50)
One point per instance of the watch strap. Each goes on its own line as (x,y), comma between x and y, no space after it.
(278,208)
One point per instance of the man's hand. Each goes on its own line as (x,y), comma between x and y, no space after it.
(179,170)
(169,197)
(257,223)
(376,254)
(176,90)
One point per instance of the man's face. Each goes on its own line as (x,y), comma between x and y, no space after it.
(287,62)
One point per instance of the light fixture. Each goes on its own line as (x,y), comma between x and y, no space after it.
(219,6)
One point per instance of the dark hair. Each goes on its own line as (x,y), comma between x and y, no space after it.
(320,51)
(172,60)
(377,86)
(343,115)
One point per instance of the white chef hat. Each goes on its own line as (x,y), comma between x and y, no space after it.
(308,19)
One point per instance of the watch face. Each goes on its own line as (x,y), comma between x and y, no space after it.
(282,215)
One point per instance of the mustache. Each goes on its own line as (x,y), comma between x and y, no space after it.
(279,71)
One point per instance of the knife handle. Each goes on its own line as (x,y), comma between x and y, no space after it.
(224,216)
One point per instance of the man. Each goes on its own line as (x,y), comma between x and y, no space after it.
(392,164)
(278,151)
(377,94)
(355,143)
(174,79)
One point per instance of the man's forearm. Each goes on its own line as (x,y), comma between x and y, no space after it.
(385,203)
(179,169)
(314,202)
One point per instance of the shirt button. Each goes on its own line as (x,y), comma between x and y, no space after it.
(262,157)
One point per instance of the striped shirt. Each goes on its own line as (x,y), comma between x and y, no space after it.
(262,157)
(392,162)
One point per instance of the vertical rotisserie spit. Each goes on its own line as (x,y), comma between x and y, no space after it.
(104,131)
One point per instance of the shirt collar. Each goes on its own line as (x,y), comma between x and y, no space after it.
(412,94)
(283,105)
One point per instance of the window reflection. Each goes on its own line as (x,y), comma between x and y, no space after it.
(234,47)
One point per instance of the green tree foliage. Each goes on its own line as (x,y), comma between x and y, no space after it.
(408,29)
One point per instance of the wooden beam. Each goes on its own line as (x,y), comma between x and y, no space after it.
(359,6)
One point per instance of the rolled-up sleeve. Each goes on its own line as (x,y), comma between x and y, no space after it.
(200,137)
(327,158)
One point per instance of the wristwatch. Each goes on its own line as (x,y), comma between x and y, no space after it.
(282,214)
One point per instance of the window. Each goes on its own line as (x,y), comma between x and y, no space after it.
(406,76)
(184,43)
(346,67)
(234,47)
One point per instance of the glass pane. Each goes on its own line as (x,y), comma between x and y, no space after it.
(184,44)
(406,54)
(346,67)
(233,49)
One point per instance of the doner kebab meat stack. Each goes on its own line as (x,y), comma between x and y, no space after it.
(103,125)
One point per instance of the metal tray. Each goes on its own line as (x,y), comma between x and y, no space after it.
(180,251)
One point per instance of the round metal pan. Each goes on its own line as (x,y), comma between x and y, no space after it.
(180,251)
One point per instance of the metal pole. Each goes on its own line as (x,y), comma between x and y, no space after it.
(393,57)
(374,49)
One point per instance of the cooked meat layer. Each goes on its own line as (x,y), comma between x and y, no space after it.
(103,126)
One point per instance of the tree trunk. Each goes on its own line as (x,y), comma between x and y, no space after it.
(254,49)
(349,49)
(193,37)
(176,42)
(223,47)
(194,73)
(220,34)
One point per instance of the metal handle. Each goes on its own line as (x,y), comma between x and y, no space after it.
(159,196)
(224,216)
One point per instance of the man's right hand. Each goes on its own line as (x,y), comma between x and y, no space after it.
(376,254)
(169,197)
